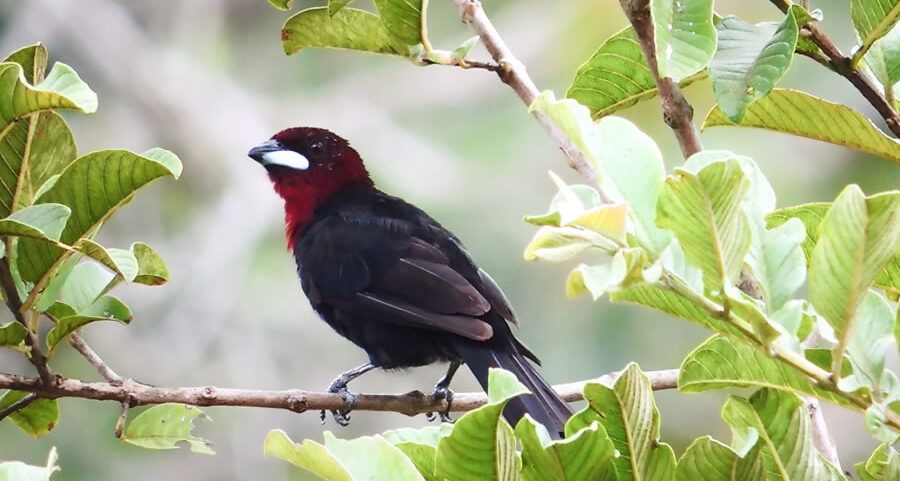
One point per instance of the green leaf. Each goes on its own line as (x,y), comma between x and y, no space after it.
(798,113)
(606,277)
(629,415)
(709,460)
(857,238)
(402,18)
(334,6)
(749,61)
(33,60)
(616,77)
(811,215)
(570,202)
(61,89)
(122,262)
(685,36)
(19,471)
(872,20)
(106,308)
(882,465)
(776,261)
(152,270)
(85,284)
(676,304)
(282,4)
(308,455)
(557,244)
(420,446)
(37,418)
(95,186)
(459,53)
(42,222)
(372,457)
(703,210)
(875,420)
(349,28)
(585,456)
(12,334)
(165,425)
(721,363)
(781,423)
(883,59)
(629,164)
(481,445)
(869,338)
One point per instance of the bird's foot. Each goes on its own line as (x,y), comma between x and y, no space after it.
(441,391)
(341,416)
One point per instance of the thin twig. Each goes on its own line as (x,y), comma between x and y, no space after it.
(93,358)
(20,404)
(14,302)
(843,65)
(677,112)
(465,64)
(296,400)
(513,73)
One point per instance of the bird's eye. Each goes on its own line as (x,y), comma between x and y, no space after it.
(316,148)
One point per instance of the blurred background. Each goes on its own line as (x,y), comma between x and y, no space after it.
(207,79)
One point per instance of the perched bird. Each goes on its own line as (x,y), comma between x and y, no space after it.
(388,277)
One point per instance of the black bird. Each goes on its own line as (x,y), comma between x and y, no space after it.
(388,277)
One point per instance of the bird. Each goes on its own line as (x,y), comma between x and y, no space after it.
(388,277)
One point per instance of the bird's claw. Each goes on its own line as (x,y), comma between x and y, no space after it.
(341,416)
(441,392)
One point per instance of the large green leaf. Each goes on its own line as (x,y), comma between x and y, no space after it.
(872,20)
(672,302)
(869,339)
(628,413)
(685,36)
(799,113)
(94,187)
(37,418)
(27,125)
(776,261)
(481,445)
(811,215)
(585,456)
(165,425)
(152,270)
(308,455)
(857,238)
(703,209)
(721,363)
(629,164)
(402,18)
(19,471)
(780,423)
(372,457)
(348,28)
(122,262)
(749,61)
(106,308)
(616,76)
(709,460)
(334,6)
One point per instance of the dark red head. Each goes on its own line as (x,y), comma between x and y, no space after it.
(306,166)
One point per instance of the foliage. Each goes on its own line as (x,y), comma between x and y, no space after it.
(704,243)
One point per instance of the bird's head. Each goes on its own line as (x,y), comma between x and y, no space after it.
(308,165)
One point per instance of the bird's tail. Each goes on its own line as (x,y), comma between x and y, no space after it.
(543,404)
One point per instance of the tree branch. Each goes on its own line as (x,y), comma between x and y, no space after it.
(843,65)
(93,358)
(11,293)
(134,393)
(677,112)
(513,73)
(20,404)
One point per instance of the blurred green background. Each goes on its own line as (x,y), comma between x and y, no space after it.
(207,79)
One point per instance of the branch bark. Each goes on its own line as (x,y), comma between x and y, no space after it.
(678,114)
(513,73)
(134,394)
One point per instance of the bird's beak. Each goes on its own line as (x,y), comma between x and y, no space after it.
(271,152)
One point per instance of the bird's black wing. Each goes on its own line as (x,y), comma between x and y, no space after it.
(387,260)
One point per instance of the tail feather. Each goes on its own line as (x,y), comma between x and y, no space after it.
(543,404)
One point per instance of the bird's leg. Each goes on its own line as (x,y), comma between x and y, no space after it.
(339,386)
(442,391)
